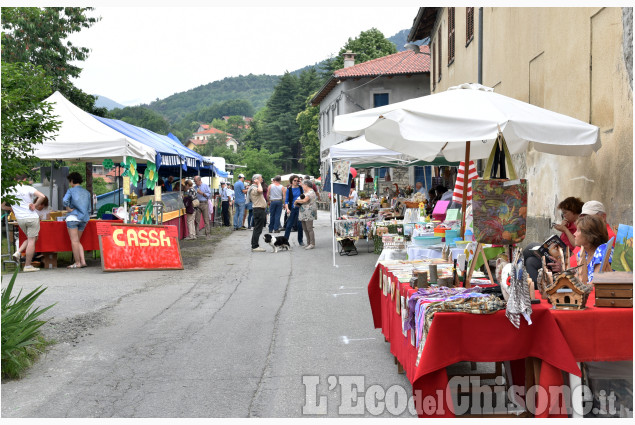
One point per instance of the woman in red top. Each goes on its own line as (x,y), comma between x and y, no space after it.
(571,208)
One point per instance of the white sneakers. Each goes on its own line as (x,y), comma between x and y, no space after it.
(259,249)
(16,256)
(310,247)
(30,269)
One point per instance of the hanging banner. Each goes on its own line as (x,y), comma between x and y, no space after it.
(129,247)
(341,170)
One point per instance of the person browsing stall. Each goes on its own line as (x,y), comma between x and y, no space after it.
(224,203)
(77,202)
(239,197)
(29,200)
(188,201)
(203,194)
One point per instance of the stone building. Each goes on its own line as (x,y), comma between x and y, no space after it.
(574,61)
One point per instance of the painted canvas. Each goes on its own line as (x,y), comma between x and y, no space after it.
(623,254)
(340,171)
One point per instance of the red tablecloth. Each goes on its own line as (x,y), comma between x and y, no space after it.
(597,334)
(53,236)
(456,337)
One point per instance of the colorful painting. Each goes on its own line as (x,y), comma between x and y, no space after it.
(500,211)
(623,254)
(340,172)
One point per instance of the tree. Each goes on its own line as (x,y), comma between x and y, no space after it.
(308,122)
(260,162)
(40,36)
(369,45)
(26,120)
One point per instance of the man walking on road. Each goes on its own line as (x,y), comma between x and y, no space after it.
(255,195)
(293,192)
(224,202)
(239,202)
(203,193)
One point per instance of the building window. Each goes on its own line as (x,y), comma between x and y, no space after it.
(439,55)
(469,25)
(380,99)
(450,35)
(382,172)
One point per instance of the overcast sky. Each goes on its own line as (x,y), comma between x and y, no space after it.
(139,54)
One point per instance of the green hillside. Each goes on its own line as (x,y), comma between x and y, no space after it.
(254,88)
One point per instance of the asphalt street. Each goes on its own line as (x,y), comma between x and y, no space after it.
(235,334)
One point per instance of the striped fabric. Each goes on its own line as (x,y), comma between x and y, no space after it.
(457,196)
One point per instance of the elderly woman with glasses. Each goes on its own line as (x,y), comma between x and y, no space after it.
(308,212)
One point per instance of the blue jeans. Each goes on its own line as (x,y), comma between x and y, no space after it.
(250,218)
(292,221)
(275,209)
(239,214)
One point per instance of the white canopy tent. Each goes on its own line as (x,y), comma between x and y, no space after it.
(83,138)
(361,151)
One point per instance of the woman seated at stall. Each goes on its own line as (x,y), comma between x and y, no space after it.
(44,213)
(570,209)
(351,201)
(592,236)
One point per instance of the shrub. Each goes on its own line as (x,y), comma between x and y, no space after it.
(21,341)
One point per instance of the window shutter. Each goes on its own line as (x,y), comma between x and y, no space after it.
(433,60)
(450,35)
(439,54)
(469,24)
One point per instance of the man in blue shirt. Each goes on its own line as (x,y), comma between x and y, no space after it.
(239,201)
(203,194)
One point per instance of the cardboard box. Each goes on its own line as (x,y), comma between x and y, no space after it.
(49,260)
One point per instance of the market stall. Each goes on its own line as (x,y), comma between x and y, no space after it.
(554,337)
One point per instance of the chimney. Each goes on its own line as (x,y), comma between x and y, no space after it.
(349,59)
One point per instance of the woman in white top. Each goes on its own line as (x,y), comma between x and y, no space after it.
(44,213)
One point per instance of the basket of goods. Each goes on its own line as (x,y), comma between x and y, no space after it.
(412,204)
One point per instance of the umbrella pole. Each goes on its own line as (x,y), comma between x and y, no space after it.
(332,208)
(465,174)
(59,207)
(180,190)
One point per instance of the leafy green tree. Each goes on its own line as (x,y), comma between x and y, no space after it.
(26,120)
(40,36)
(308,122)
(370,44)
(213,142)
(259,162)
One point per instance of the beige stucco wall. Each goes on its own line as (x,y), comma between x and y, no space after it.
(571,61)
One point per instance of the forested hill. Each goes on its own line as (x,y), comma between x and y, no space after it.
(254,88)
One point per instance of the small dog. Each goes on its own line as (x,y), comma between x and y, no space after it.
(280,242)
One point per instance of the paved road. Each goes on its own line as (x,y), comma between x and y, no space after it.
(230,336)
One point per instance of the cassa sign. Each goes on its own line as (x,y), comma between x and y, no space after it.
(138,247)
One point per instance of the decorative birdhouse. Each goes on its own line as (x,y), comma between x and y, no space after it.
(567,292)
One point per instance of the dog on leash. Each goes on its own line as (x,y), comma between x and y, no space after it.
(277,242)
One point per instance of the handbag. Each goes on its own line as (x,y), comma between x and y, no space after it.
(196,203)
(499,205)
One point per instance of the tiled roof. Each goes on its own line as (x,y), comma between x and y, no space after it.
(406,62)
(205,126)
(211,130)
(197,142)
(402,63)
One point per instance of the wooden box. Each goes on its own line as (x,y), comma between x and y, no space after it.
(613,289)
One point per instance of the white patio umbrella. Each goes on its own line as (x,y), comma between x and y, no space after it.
(464,122)
(442,123)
